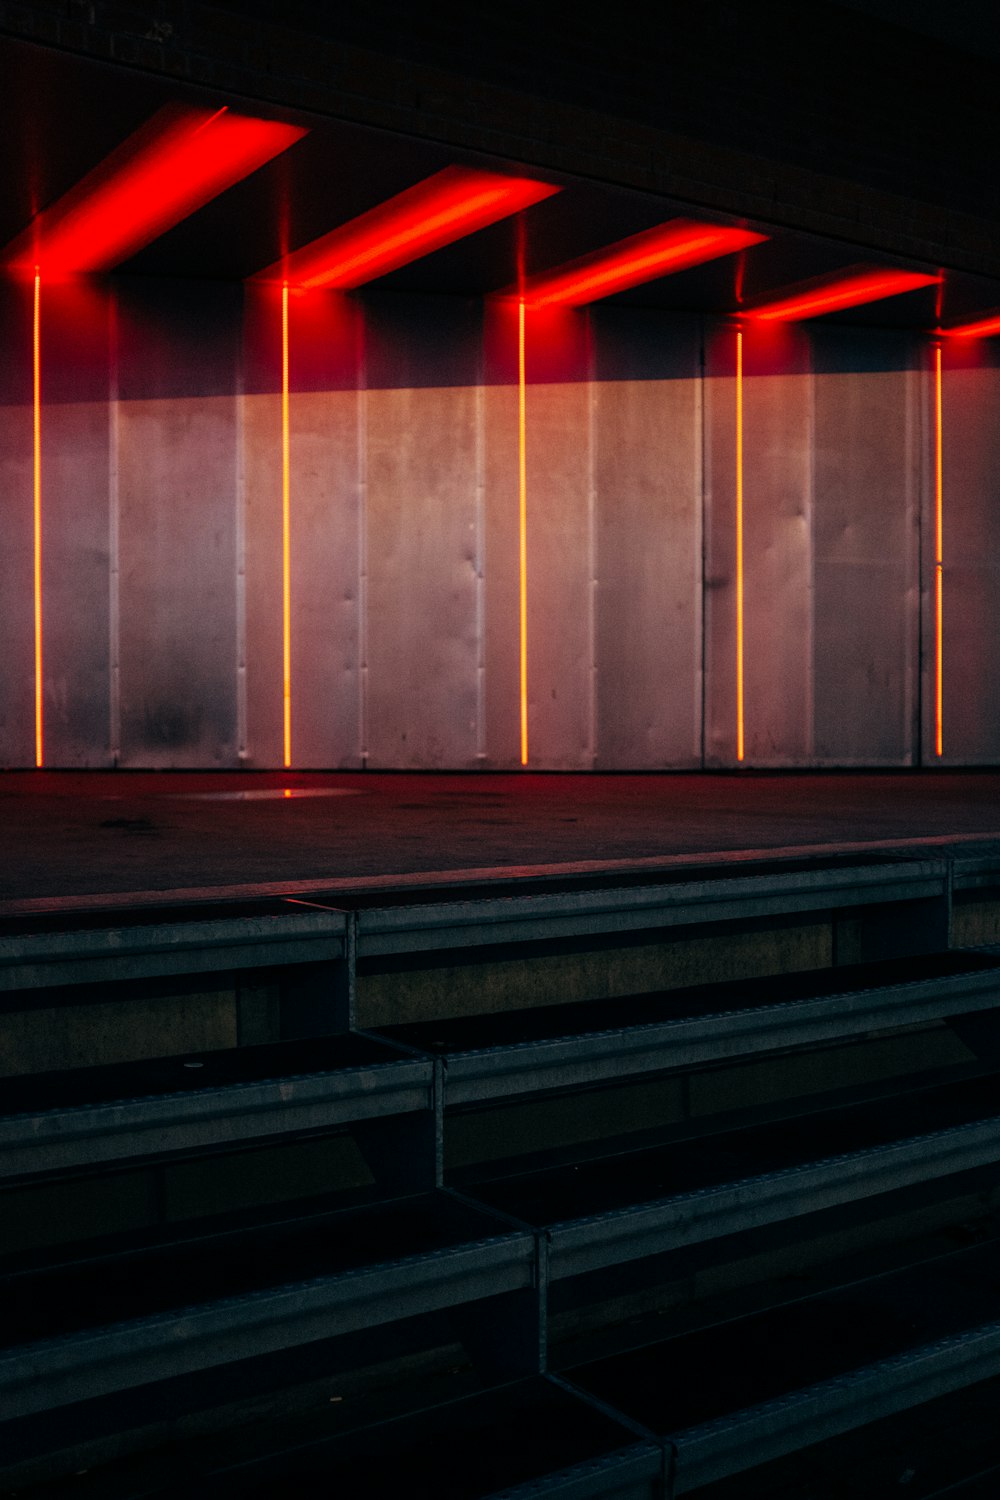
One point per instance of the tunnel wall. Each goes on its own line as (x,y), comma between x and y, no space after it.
(161,505)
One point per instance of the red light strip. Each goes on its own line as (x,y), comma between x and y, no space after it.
(643,257)
(938,555)
(982,329)
(286,538)
(446,207)
(739,547)
(178,162)
(835,292)
(36,382)
(522,491)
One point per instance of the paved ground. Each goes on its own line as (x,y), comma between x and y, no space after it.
(84,834)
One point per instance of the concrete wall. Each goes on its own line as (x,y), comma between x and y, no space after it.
(161,470)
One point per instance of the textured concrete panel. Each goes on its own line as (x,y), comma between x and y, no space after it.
(647,484)
(422,528)
(177,477)
(560,541)
(325,531)
(76,568)
(719,401)
(260,433)
(421,994)
(865,546)
(777,440)
(501,640)
(971,551)
(975,922)
(91,1035)
(17,659)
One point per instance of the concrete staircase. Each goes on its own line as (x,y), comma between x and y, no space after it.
(641,1188)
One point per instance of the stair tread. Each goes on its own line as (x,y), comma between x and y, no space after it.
(194,1073)
(588,1018)
(611,1184)
(464,1445)
(711,1374)
(144,1274)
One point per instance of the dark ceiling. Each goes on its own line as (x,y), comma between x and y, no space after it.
(65,113)
(899,95)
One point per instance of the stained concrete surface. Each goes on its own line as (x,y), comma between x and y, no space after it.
(89,834)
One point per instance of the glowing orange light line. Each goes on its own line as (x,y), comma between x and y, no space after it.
(286,535)
(36,361)
(739,546)
(938,557)
(522,486)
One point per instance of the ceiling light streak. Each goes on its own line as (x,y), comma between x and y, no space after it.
(835,293)
(446,207)
(370,261)
(175,164)
(981,329)
(661,251)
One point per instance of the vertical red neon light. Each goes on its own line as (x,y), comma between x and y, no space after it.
(36,369)
(286,550)
(739,546)
(522,491)
(938,556)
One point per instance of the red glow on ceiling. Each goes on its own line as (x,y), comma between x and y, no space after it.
(180,160)
(446,207)
(831,293)
(643,257)
(981,329)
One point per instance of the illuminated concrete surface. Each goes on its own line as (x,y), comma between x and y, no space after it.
(81,834)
